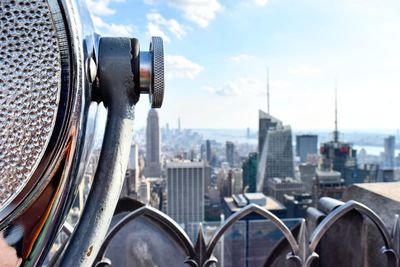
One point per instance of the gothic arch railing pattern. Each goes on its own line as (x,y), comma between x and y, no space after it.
(303,248)
(158,217)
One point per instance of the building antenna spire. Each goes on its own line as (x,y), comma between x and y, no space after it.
(336,132)
(267,90)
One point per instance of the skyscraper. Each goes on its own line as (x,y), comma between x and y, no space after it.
(249,167)
(265,122)
(132,180)
(185,191)
(389,146)
(276,160)
(237,180)
(340,155)
(208,151)
(230,153)
(153,145)
(306,145)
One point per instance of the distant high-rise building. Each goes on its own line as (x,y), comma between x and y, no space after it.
(208,151)
(153,145)
(230,153)
(248,133)
(369,172)
(237,180)
(277,157)
(202,152)
(179,124)
(132,180)
(306,144)
(249,167)
(389,148)
(340,155)
(278,187)
(328,183)
(307,175)
(144,191)
(265,122)
(342,158)
(226,186)
(185,191)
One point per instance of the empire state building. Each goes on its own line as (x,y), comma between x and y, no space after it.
(152,162)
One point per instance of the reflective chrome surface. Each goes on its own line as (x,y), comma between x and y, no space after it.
(30,84)
(41,207)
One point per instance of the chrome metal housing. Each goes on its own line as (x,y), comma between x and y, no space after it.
(41,205)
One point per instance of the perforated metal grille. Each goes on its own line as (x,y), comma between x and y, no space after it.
(30,72)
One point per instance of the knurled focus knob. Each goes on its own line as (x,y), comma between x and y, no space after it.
(152,72)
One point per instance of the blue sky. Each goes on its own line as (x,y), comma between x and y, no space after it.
(218,52)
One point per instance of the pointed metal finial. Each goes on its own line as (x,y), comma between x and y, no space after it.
(200,258)
(304,256)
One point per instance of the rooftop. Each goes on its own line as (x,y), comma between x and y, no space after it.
(327,173)
(271,204)
(185,164)
(389,189)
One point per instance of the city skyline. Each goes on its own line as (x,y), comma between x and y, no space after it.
(306,45)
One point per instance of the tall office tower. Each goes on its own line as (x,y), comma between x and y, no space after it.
(306,145)
(237,180)
(226,188)
(249,167)
(202,152)
(179,124)
(185,191)
(277,157)
(153,146)
(265,122)
(248,133)
(307,175)
(342,158)
(144,191)
(132,180)
(230,153)
(340,155)
(208,151)
(389,146)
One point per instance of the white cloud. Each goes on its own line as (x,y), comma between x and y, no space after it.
(154,29)
(247,87)
(260,2)
(181,67)
(112,29)
(156,24)
(200,12)
(239,87)
(101,7)
(305,71)
(240,58)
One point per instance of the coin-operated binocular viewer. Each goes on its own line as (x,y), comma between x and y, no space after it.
(53,68)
